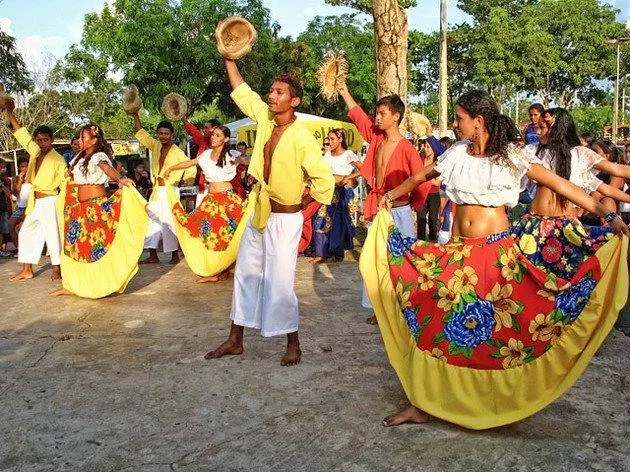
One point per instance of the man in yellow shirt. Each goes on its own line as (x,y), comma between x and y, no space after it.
(46,172)
(285,157)
(164,155)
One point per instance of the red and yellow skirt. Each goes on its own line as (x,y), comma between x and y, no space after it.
(479,335)
(210,235)
(102,240)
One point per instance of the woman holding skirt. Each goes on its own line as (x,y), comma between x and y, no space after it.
(549,234)
(333,230)
(209,236)
(102,238)
(478,335)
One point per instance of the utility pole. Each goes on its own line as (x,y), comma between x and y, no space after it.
(443,107)
(615,125)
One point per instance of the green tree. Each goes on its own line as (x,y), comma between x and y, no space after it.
(13,73)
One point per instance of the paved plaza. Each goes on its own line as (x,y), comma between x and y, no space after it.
(120,384)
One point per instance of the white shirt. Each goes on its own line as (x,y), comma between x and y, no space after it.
(480,180)
(213,172)
(342,164)
(95,175)
(582,161)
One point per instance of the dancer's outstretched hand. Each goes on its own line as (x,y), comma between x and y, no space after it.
(619,227)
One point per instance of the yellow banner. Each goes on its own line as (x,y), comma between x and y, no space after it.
(319,128)
(126,149)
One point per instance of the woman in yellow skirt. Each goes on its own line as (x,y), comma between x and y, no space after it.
(209,236)
(102,238)
(478,335)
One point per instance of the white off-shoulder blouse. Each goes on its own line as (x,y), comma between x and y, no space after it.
(482,181)
(341,164)
(582,162)
(213,172)
(95,175)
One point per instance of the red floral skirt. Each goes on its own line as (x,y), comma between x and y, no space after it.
(215,220)
(90,226)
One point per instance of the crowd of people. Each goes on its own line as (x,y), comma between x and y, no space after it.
(483,328)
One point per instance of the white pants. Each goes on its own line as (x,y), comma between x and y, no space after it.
(264,297)
(404,219)
(160,223)
(38,228)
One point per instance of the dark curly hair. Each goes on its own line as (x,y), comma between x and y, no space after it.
(501,128)
(341,134)
(225,149)
(294,83)
(610,149)
(101,146)
(561,138)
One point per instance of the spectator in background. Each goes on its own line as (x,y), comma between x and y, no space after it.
(430,149)
(531,131)
(20,189)
(447,142)
(75,147)
(242,163)
(5,208)
(140,176)
(587,139)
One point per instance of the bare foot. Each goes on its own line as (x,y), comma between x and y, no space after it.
(61,291)
(411,414)
(56,273)
(203,280)
(372,320)
(228,348)
(149,260)
(24,275)
(317,260)
(293,355)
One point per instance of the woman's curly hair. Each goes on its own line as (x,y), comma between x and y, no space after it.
(101,146)
(501,128)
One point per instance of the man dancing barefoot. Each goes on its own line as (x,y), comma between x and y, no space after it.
(285,157)
(46,171)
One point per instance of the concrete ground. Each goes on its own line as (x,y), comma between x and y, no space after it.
(121,384)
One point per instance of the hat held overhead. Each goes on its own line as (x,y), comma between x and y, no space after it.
(235,37)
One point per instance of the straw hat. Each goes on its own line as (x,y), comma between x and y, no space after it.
(131,100)
(5,98)
(419,125)
(235,37)
(174,106)
(331,75)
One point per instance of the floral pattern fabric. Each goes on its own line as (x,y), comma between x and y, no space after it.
(215,220)
(332,225)
(90,226)
(479,303)
(558,245)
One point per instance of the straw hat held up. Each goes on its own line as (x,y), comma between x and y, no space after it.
(235,37)
(174,106)
(131,100)
(332,75)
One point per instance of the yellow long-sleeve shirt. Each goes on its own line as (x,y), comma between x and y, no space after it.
(51,173)
(297,160)
(174,156)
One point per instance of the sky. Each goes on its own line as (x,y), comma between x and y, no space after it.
(49,27)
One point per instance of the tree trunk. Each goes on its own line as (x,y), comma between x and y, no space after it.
(392,32)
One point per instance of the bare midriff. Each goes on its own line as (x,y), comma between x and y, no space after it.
(87,192)
(547,203)
(218,187)
(476,221)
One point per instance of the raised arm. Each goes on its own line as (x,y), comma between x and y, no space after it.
(15,124)
(576,195)
(427,173)
(137,124)
(233,73)
(347,97)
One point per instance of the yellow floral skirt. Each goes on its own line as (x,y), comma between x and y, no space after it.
(210,235)
(102,240)
(477,334)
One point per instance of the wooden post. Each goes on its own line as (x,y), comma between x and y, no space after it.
(443,107)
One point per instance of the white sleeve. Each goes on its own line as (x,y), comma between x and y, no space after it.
(588,157)
(351,156)
(96,159)
(521,158)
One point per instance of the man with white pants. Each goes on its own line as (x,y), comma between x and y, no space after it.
(284,158)
(46,172)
